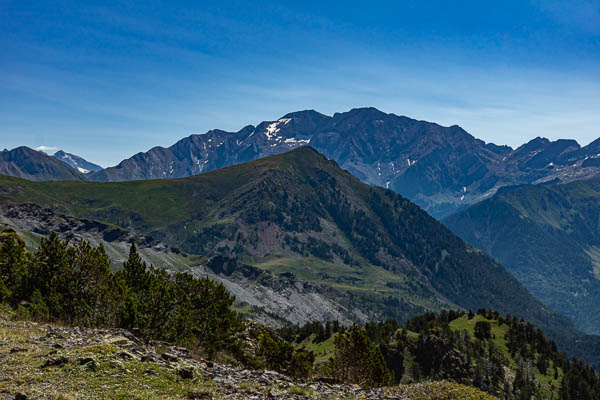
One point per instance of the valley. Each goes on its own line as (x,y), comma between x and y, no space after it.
(547,237)
(308,229)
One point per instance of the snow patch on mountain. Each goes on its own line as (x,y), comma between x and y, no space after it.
(294,141)
(76,162)
(273,128)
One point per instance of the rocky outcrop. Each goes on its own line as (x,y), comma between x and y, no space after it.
(277,298)
(34,222)
(57,362)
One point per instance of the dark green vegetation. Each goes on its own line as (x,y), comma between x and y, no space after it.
(501,355)
(74,285)
(548,236)
(299,213)
(357,359)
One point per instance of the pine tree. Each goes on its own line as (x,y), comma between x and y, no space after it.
(53,276)
(14,267)
(359,361)
(135,271)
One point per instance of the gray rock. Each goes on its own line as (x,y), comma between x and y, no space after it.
(17,350)
(55,362)
(169,357)
(125,355)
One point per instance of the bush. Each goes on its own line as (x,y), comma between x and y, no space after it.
(281,356)
(4,292)
(483,330)
(357,360)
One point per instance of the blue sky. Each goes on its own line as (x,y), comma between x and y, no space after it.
(108,79)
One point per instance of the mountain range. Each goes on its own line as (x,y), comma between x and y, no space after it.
(442,169)
(319,234)
(287,216)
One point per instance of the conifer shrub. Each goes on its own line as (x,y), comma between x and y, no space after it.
(357,360)
(73,284)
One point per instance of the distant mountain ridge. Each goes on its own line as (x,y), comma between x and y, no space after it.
(26,163)
(442,169)
(76,162)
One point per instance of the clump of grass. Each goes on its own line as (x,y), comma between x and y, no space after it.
(444,390)
(302,391)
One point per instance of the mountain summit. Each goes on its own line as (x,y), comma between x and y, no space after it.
(76,162)
(442,169)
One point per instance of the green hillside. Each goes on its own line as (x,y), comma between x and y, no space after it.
(548,236)
(501,355)
(144,333)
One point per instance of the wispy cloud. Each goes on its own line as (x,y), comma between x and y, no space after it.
(46,148)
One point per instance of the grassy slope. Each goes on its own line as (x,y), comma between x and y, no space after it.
(549,386)
(323,350)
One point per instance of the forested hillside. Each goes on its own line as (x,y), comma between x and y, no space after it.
(548,237)
(72,284)
(501,355)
